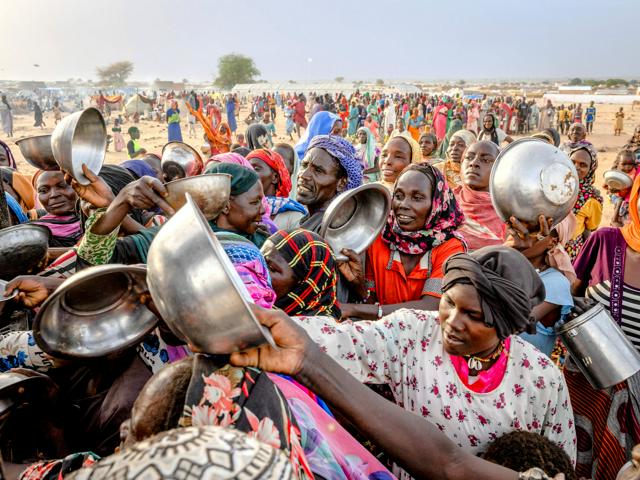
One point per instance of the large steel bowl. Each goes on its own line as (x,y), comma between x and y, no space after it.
(80,138)
(355,218)
(617,180)
(94,313)
(197,290)
(180,160)
(531,177)
(23,249)
(210,192)
(37,152)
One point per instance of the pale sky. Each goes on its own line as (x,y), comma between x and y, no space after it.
(359,40)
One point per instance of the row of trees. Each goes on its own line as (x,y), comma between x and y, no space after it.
(609,83)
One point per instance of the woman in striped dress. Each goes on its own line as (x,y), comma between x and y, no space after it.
(608,421)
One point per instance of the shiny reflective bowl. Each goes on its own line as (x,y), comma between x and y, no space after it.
(37,152)
(355,218)
(80,138)
(210,192)
(197,290)
(180,160)
(23,249)
(4,300)
(617,180)
(96,312)
(531,177)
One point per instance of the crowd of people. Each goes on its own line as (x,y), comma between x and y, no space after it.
(433,354)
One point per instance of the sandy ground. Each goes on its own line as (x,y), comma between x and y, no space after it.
(154,136)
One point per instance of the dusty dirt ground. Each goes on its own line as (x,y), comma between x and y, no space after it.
(154,136)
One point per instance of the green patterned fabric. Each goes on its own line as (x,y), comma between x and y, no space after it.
(97,249)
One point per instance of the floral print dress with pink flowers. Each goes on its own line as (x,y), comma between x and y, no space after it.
(405,350)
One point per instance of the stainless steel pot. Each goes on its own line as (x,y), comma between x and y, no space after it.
(37,152)
(210,192)
(599,348)
(355,218)
(80,138)
(531,177)
(197,290)
(23,249)
(180,160)
(94,313)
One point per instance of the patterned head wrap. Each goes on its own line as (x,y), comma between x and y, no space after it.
(344,153)
(275,163)
(587,189)
(313,264)
(444,219)
(9,154)
(507,284)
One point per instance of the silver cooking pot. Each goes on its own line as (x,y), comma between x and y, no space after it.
(599,348)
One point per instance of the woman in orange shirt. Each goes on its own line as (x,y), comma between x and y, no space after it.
(404,265)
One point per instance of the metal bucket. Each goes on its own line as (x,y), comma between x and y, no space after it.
(599,348)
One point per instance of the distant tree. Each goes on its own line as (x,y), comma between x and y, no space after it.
(184,80)
(379,81)
(614,82)
(591,82)
(461,83)
(235,68)
(339,79)
(292,81)
(115,74)
(575,81)
(633,82)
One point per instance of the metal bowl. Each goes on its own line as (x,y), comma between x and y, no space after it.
(37,152)
(210,192)
(355,218)
(197,290)
(96,312)
(23,249)
(531,177)
(80,138)
(617,180)
(180,160)
(3,299)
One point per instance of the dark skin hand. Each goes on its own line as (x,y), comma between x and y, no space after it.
(405,436)
(99,194)
(32,290)
(146,193)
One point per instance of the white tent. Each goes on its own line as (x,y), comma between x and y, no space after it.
(135,104)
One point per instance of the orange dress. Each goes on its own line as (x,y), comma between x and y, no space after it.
(385,275)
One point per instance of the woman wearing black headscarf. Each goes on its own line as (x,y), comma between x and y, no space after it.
(463,368)
(257,137)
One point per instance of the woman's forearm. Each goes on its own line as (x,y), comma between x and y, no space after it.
(112,218)
(413,442)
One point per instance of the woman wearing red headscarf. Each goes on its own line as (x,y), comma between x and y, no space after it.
(276,183)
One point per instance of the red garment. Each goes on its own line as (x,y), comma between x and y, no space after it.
(482,226)
(487,380)
(299,112)
(386,277)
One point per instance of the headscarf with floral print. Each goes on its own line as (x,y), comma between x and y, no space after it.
(442,224)
(587,189)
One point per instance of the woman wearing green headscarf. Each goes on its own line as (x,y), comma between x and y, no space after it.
(100,245)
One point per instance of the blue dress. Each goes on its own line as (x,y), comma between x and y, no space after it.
(231,115)
(173,119)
